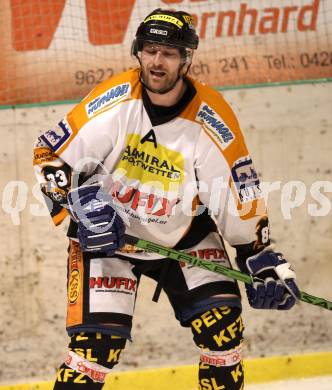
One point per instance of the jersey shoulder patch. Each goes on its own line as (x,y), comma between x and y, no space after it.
(58,136)
(214,125)
(107,99)
(105,96)
(217,119)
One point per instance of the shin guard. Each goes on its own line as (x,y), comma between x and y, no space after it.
(218,333)
(91,357)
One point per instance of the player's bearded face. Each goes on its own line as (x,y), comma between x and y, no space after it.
(160,66)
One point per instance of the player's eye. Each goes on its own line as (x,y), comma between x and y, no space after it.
(169,54)
(150,50)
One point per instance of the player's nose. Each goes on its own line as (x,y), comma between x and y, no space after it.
(158,58)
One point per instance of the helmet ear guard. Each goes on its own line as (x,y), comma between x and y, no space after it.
(134,48)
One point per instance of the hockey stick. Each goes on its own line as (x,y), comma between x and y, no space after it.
(214,267)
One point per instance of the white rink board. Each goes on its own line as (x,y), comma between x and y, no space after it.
(317,383)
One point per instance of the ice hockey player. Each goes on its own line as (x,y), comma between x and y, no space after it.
(158,155)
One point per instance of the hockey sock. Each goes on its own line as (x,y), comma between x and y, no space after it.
(67,379)
(218,333)
(91,357)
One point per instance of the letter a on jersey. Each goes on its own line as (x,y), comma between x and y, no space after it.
(150,137)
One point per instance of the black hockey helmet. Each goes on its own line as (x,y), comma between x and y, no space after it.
(173,28)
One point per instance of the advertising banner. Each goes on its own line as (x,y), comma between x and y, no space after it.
(59,50)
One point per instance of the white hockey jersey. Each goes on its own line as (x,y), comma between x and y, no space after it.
(161,174)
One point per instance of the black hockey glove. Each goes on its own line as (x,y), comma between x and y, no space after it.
(278,289)
(100,228)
